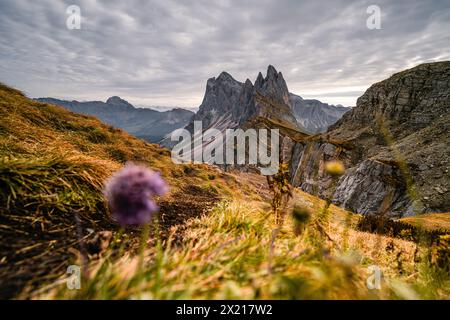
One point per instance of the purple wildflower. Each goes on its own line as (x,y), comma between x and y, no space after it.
(130,192)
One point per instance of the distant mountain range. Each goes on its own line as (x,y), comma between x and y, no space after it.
(313,115)
(227,103)
(144,123)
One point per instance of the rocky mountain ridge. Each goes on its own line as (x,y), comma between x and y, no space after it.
(394,144)
(144,123)
(229,103)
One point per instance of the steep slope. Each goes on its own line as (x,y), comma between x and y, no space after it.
(394,143)
(145,123)
(53,164)
(313,115)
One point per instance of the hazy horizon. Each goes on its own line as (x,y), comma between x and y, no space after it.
(162,107)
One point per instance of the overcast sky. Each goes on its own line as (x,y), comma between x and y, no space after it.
(162,52)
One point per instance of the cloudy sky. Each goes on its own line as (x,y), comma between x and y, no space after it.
(162,52)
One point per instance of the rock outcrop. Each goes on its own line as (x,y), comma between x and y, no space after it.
(395,145)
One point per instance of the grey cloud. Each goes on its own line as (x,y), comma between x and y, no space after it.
(162,52)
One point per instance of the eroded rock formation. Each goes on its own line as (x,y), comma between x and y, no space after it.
(394,144)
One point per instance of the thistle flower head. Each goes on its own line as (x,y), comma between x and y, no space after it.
(301,214)
(130,191)
(334,168)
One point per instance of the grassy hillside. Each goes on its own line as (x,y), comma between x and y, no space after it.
(215,236)
(53,164)
(237,252)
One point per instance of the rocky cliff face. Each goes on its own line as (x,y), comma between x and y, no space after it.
(220,106)
(313,115)
(229,104)
(394,143)
(271,99)
(144,123)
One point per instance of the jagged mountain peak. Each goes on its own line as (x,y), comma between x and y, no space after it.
(271,75)
(271,71)
(259,80)
(273,85)
(228,101)
(225,76)
(248,83)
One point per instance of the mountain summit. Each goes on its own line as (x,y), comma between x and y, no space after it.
(119,102)
(229,103)
(273,85)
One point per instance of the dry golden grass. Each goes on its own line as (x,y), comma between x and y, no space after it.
(53,164)
(30,130)
(430,221)
(232,253)
(371,247)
